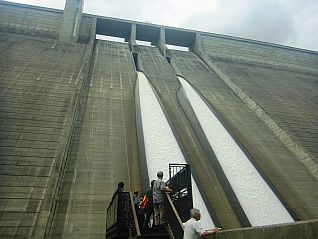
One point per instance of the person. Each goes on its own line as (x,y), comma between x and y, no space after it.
(139,211)
(120,189)
(149,206)
(159,188)
(141,201)
(136,199)
(136,202)
(193,228)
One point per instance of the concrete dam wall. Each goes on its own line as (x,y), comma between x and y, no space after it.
(68,117)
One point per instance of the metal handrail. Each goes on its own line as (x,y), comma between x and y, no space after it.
(180,182)
(121,218)
(138,234)
(173,219)
(118,214)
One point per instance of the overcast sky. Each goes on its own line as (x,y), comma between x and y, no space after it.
(286,22)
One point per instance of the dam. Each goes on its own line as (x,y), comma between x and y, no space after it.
(69,128)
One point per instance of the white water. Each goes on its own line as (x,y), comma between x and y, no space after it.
(258,201)
(160,144)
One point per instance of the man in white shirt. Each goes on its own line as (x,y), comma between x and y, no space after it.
(193,228)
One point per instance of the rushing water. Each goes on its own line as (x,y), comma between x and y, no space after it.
(161,147)
(260,204)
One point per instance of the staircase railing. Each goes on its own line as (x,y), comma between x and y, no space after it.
(134,229)
(180,182)
(121,218)
(116,219)
(172,217)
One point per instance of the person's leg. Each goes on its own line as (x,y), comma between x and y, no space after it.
(151,216)
(157,213)
(149,210)
(147,217)
(162,213)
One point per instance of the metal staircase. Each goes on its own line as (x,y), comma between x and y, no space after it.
(122,218)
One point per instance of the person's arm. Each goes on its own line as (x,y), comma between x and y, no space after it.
(164,188)
(201,232)
(210,232)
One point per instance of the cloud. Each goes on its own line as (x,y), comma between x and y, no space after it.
(268,21)
(306,22)
(164,12)
(260,20)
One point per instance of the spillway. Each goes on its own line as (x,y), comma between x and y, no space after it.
(161,147)
(258,201)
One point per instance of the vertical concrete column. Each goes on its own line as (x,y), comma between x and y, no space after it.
(134,48)
(197,49)
(197,45)
(161,43)
(93,30)
(132,39)
(71,20)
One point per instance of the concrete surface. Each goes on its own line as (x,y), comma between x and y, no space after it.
(163,79)
(279,165)
(104,150)
(30,20)
(50,91)
(39,83)
(297,230)
(72,16)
